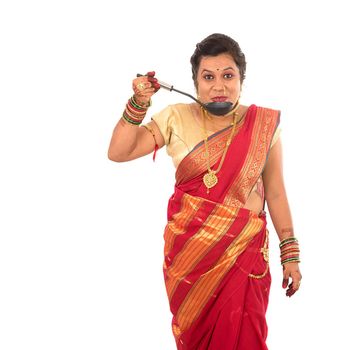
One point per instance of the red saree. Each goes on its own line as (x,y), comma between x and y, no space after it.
(216,278)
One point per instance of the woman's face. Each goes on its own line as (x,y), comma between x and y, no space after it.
(218,79)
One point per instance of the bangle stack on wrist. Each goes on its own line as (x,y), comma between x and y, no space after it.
(134,113)
(289,248)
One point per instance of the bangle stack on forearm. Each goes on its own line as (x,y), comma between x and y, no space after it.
(289,248)
(134,113)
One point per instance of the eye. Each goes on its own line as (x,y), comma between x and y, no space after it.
(228,75)
(208,77)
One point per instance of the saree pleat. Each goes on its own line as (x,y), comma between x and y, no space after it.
(213,244)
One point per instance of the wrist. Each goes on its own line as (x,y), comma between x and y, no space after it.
(134,113)
(289,250)
(141,102)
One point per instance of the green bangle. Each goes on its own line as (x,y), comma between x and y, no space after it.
(130,121)
(138,106)
(288,240)
(290,260)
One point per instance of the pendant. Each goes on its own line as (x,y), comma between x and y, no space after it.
(210,179)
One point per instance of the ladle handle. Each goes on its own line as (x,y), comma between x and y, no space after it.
(171,88)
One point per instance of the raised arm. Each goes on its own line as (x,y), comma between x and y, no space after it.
(129,140)
(275,195)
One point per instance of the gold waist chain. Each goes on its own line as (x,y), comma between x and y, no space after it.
(265,251)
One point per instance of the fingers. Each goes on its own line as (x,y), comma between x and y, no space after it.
(295,275)
(296,282)
(153,81)
(143,90)
(145,84)
(142,86)
(293,288)
(285,280)
(290,291)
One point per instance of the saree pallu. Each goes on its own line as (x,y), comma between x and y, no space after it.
(216,277)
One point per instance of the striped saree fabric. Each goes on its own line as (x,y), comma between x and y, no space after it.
(213,245)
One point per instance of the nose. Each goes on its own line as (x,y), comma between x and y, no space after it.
(218,85)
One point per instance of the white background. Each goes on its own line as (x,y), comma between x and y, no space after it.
(81,237)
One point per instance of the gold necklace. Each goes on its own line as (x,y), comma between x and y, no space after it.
(210,179)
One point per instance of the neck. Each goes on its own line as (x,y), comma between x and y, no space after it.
(215,124)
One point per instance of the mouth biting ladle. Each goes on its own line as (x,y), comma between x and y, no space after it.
(215,108)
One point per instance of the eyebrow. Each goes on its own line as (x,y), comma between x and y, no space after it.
(208,70)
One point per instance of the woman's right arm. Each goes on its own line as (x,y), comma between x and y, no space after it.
(130,141)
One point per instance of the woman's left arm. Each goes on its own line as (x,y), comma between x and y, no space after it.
(276,198)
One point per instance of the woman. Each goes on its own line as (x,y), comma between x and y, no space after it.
(216,242)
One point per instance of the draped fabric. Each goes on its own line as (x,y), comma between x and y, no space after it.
(216,277)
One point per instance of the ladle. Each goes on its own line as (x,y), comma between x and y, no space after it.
(215,108)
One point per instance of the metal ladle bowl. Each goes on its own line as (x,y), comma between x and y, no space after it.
(215,108)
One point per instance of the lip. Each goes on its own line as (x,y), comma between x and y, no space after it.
(219,98)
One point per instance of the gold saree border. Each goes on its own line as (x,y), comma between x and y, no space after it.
(262,133)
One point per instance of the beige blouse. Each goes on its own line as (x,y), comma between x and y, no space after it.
(181,130)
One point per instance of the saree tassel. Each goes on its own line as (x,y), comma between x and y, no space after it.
(150,129)
(155,150)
